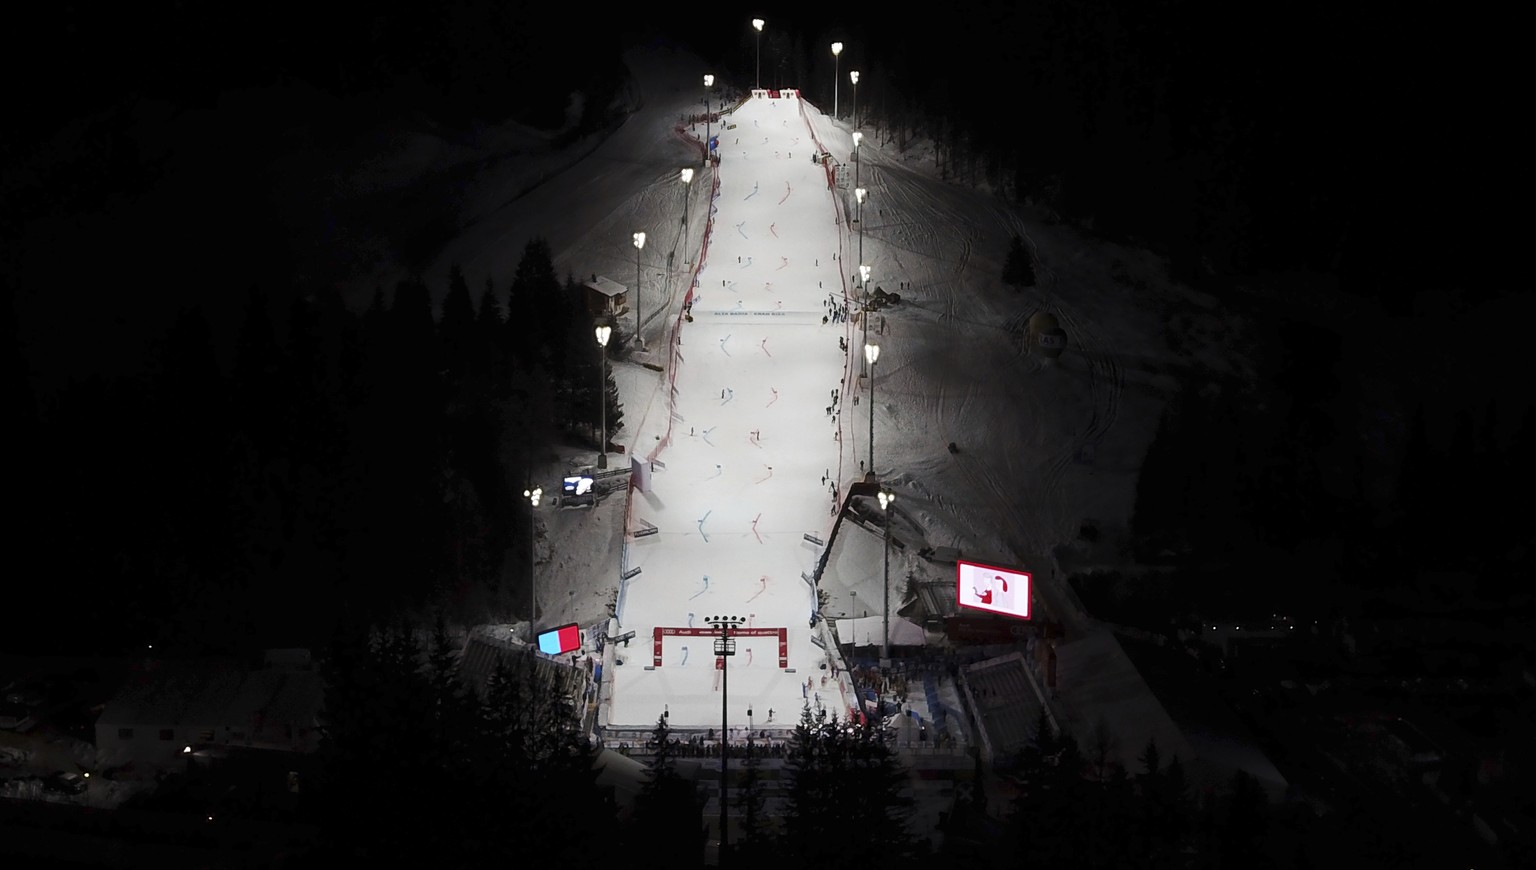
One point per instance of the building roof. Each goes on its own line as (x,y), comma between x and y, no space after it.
(488,646)
(607,287)
(870,631)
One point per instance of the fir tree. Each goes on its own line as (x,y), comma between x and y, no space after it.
(456,329)
(1019,267)
(843,777)
(668,825)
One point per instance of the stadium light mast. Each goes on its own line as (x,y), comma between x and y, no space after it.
(757,24)
(533,495)
(837,49)
(854,75)
(709,82)
(859,195)
(857,138)
(640,244)
(602,333)
(687,176)
(725,647)
(864,310)
(871,353)
(887,498)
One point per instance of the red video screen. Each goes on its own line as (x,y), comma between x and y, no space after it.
(993,589)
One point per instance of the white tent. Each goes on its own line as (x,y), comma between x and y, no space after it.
(870,631)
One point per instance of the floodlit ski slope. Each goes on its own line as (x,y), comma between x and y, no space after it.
(746,469)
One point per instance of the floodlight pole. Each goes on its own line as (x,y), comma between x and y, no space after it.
(857,138)
(724,648)
(837,49)
(859,195)
(864,312)
(687,177)
(602,333)
(639,245)
(886,499)
(533,496)
(709,82)
(854,75)
(871,353)
(757,23)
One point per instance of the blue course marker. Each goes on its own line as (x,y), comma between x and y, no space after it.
(697,594)
(701,525)
(685,656)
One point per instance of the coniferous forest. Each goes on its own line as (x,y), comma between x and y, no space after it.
(348,465)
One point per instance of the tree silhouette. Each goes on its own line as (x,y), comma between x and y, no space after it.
(1019,268)
(667,826)
(843,777)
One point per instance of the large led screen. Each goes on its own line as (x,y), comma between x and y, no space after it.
(560,640)
(993,589)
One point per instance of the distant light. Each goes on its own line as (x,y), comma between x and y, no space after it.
(854,75)
(186,750)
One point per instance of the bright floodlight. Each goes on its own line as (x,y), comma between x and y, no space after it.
(859,193)
(709,81)
(864,274)
(534,495)
(857,138)
(837,49)
(640,237)
(886,498)
(602,333)
(758,23)
(853,75)
(687,177)
(871,352)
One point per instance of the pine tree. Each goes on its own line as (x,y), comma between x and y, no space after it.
(758,837)
(668,824)
(1019,267)
(535,318)
(843,777)
(456,328)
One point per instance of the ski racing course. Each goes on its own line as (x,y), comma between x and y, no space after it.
(750,470)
